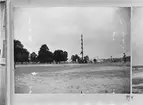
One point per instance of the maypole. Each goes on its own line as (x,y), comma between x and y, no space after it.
(82,46)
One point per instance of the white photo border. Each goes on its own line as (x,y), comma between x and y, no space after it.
(11,4)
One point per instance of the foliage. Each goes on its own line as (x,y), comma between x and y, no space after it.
(33,57)
(44,55)
(75,58)
(20,53)
(86,59)
(60,55)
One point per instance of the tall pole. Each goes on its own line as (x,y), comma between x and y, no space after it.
(82,46)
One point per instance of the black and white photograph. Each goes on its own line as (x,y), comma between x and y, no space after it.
(137,50)
(84,50)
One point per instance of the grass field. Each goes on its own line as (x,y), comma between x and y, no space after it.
(137,80)
(72,78)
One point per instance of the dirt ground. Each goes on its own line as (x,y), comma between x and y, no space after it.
(72,78)
(137,80)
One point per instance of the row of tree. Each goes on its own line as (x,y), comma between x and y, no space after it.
(85,59)
(44,54)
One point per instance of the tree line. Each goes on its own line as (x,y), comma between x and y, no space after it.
(44,55)
(78,59)
(22,55)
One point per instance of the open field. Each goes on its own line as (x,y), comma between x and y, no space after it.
(73,78)
(137,80)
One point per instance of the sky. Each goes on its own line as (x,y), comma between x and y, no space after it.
(106,30)
(137,36)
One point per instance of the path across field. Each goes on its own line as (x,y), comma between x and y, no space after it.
(72,78)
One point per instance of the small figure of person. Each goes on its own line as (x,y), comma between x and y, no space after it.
(124,57)
(111,59)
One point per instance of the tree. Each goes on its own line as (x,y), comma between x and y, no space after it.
(49,57)
(60,55)
(33,57)
(86,59)
(18,44)
(17,49)
(44,55)
(75,58)
(25,55)
(44,48)
(20,53)
(65,56)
